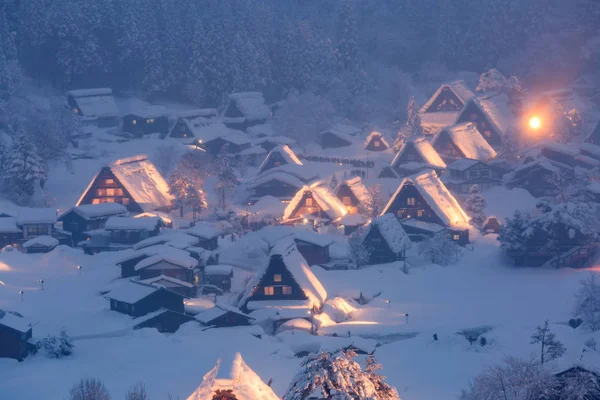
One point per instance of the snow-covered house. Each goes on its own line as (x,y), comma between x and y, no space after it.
(462,141)
(189,128)
(424,206)
(184,288)
(491,225)
(133,182)
(96,105)
(15,336)
(314,201)
(128,262)
(36,222)
(339,135)
(448,97)
(136,299)
(286,282)
(282,182)
(206,233)
(236,141)
(280,155)
(163,319)
(539,177)
(222,315)
(353,193)
(491,115)
(10,233)
(245,109)
(40,244)
(270,142)
(385,240)
(87,217)
(171,238)
(170,264)
(415,155)
(232,379)
(150,119)
(129,231)
(219,276)
(463,173)
(376,142)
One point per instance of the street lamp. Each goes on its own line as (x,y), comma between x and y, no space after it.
(79,269)
(42,283)
(535,123)
(388,303)
(21,293)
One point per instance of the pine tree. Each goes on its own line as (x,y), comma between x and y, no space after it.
(347,37)
(551,348)
(384,391)
(25,168)
(511,236)
(475,204)
(413,121)
(226,179)
(333,182)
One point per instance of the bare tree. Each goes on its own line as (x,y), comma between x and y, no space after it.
(89,389)
(551,348)
(137,392)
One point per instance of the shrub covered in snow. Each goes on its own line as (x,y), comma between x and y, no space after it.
(89,389)
(358,250)
(56,346)
(587,302)
(440,249)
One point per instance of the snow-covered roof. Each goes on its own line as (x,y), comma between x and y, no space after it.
(35,215)
(184,261)
(392,232)
(141,179)
(199,112)
(93,211)
(434,122)
(591,149)
(152,250)
(235,375)
(251,105)
(459,88)
(358,189)
(278,176)
(437,196)
(470,142)
(205,317)
(253,150)
(150,111)
(352,220)
(15,322)
(286,154)
(9,225)
(211,270)
(343,131)
(462,164)
(132,224)
(203,230)
(423,225)
(167,282)
(313,237)
(301,172)
(95,102)
(175,239)
(425,149)
(542,162)
(562,148)
(233,136)
(166,219)
(497,110)
(272,139)
(263,130)
(327,201)
(373,135)
(131,292)
(43,241)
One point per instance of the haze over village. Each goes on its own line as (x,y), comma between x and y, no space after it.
(299,200)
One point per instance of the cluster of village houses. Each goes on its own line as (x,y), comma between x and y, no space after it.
(126,204)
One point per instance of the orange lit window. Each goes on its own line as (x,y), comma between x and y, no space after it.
(110,192)
(347,200)
(96,201)
(125,201)
(377,143)
(101,192)
(277,278)
(488,133)
(420,213)
(269,291)
(109,181)
(456,237)
(411,201)
(309,202)
(286,290)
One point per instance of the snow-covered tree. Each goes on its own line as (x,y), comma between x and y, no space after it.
(57,346)
(165,157)
(196,200)
(25,168)
(514,379)
(493,81)
(374,203)
(551,348)
(440,249)
(511,233)
(89,389)
(347,37)
(359,252)
(412,128)
(582,385)
(383,389)
(587,302)
(226,178)
(475,205)
(333,182)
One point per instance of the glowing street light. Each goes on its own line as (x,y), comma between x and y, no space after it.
(535,123)
(42,283)
(21,293)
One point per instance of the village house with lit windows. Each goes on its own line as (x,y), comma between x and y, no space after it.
(491,116)
(353,194)
(151,119)
(416,155)
(314,203)
(462,141)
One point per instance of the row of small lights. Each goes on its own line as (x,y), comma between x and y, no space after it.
(41,281)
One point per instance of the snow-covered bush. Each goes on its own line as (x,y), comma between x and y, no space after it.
(56,346)
(359,251)
(89,389)
(587,302)
(475,205)
(440,249)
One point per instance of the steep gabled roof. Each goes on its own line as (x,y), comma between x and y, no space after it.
(469,141)
(343,131)
(437,197)
(497,111)
(357,187)
(251,105)
(327,201)
(234,375)
(95,103)
(166,281)
(373,135)
(180,260)
(392,232)
(95,211)
(286,154)
(286,178)
(425,149)
(459,88)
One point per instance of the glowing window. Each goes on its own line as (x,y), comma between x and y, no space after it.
(309,202)
(286,289)
(96,201)
(109,181)
(150,121)
(377,143)
(125,201)
(134,122)
(456,237)
(488,133)
(411,201)
(347,200)
(277,278)
(269,291)
(420,213)
(101,192)
(110,192)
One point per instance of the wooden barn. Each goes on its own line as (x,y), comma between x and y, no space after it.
(206,233)
(423,198)
(163,320)
(449,97)
(280,155)
(462,141)
(232,379)
(87,217)
(127,263)
(491,115)
(386,240)
(129,231)
(133,182)
(287,282)
(376,142)
(223,316)
(137,299)
(245,110)
(152,119)
(418,153)
(219,276)
(353,194)
(36,222)
(463,173)
(338,136)
(97,105)
(184,288)
(170,264)
(315,200)
(539,177)
(15,336)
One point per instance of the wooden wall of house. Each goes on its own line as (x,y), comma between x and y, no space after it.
(138,125)
(220,281)
(72,103)
(128,267)
(376,144)
(446,101)
(472,113)
(446,148)
(35,230)
(208,244)
(230,319)
(380,251)
(410,203)
(269,279)
(106,188)
(347,197)
(14,344)
(537,181)
(312,253)
(130,236)
(275,188)
(181,130)
(77,225)
(161,298)
(274,161)
(168,269)
(213,147)
(409,154)
(308,206)
(168,322)
(328,140)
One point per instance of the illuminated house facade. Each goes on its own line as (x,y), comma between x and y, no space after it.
(491,116)
(449,97)
(314,201)
(353,194)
